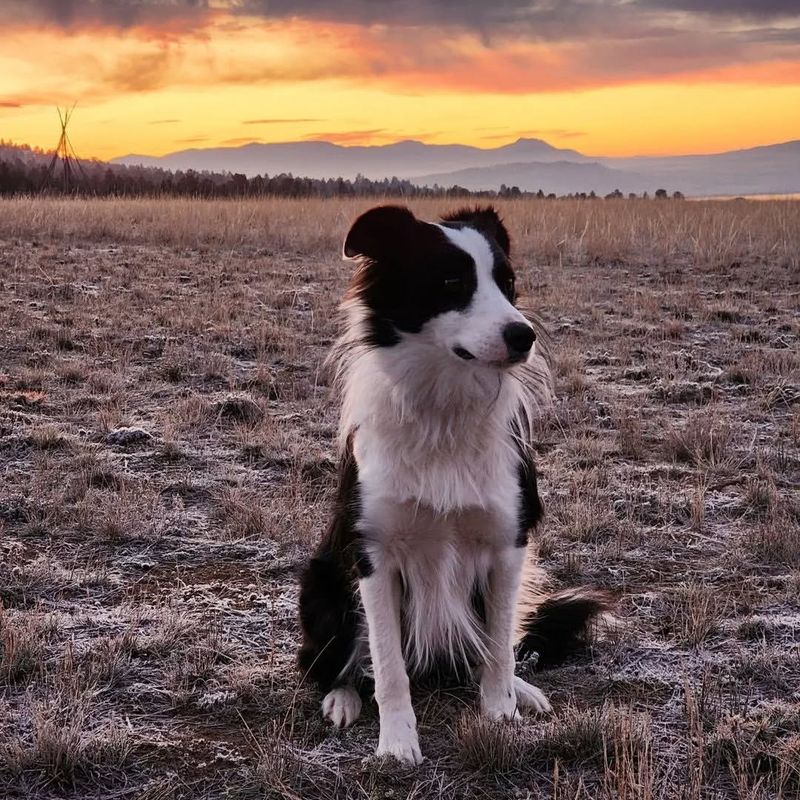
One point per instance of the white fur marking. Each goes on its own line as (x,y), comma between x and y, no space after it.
(531,697)
(479,327)
(442,558)
(398,737)
(341,706)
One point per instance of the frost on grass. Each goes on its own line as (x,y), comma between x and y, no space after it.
(148,582)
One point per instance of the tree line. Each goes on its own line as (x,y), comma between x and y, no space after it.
(27,170)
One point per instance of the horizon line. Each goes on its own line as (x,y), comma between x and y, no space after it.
(350,146)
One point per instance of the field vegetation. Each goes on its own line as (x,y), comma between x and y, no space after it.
(167,447)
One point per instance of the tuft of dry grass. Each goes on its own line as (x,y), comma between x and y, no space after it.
(192,413)
(690,613)
(754,629)
(703,441)
(777,539)
(238,409)
(23,645)
(591,522)
(630,434)
(485,745)
(64,747)
(615,738)
(242,513)
(697,504)
(49,437)
(760,747)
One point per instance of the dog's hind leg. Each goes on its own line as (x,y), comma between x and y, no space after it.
(342,706)
(329,620)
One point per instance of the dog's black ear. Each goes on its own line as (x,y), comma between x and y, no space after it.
(380,231)
(486,220)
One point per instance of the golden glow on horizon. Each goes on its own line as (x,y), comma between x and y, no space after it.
(232,81)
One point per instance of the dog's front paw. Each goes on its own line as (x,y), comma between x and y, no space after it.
(341,706)
(398,737)
(499,701)
(529,696)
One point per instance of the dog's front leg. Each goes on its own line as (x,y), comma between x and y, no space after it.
(380,595)
(498,694)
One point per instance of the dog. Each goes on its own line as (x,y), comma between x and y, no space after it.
(422,568)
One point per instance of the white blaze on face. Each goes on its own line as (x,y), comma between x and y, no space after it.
(479,327)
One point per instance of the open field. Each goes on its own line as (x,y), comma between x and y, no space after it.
(148,576)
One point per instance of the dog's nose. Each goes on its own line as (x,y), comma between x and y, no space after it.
(519,338)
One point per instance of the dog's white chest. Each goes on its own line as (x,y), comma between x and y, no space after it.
(443,560)
(463,473)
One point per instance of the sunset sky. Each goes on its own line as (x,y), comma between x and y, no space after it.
(606,77)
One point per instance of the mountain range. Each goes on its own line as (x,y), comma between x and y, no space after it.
(530,164)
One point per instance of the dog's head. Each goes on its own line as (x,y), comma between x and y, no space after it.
(449,285)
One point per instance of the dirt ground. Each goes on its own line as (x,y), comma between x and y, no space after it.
(167,455)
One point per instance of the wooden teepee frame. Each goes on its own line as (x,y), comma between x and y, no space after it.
(65,153)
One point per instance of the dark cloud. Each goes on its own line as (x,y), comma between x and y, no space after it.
(539,20)
(409,12)
(163,121)
(114,13)
(544,20)
(758,9)
(778,36)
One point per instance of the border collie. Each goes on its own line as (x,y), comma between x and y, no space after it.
(422,565)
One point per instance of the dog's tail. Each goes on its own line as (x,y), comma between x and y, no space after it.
(561,624)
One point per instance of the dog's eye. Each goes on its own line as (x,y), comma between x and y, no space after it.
(453,284)
(510,287)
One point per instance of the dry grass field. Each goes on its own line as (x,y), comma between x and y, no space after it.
(167,456)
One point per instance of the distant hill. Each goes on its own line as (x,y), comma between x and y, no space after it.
(326,160)
(771,169)
(530,164)
(29,170)
(558,177)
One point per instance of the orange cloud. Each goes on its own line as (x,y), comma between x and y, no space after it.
(770,73)
(98,63)
(239,140)
(543,133)
(513,66)
(349,137)
(282,121)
